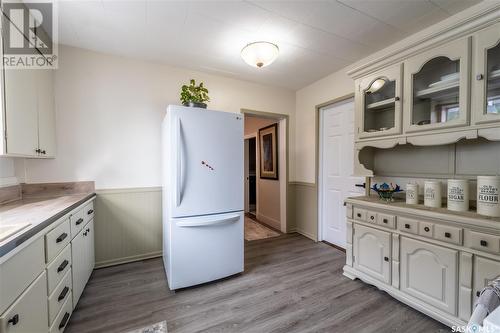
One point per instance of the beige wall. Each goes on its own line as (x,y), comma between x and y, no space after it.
(268,196)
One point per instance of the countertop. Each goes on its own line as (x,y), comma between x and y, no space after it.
(39,213)
(400,206)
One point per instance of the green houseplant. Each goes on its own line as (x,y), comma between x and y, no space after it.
(194,95)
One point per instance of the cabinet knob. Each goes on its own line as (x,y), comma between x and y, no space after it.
(386,258)
(396,98)
(447,235)
(478,293)
(88,230)
(85,233)
(14,320)
(372,217)
(385,220)
(483,243)
(62,266)
(359,214)
(43,152)
(427,229)
(37,150)
(61,237)
(479,77)
(407,226)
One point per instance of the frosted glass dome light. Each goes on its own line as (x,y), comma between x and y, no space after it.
(260,54)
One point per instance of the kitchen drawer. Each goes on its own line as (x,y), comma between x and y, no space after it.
(63,316)
(29,312)
(19,271)
(59,296)
(408,225)
(483,242)
(359,214)
(88,212)
(448,234)
(371,217)
(426,229)
(77,221)
(386,220)
(56,240)
(58,268)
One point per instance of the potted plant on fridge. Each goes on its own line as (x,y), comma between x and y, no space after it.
(194,95)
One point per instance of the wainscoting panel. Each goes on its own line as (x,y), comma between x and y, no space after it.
(128,225)
(306,209)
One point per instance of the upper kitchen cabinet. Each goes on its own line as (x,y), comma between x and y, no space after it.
(486,76)
(436,86)
(378,103)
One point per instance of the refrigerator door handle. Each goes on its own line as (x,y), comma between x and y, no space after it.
(206,223)
(180,165)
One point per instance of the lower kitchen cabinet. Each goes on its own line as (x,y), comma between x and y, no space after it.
(83,259)
(429,272)
(372,252)
(485,271)
(29,312)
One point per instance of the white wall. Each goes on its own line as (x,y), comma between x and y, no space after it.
(109,110)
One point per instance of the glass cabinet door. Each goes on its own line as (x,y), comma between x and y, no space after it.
(378,104)
(436,84)
(486,80)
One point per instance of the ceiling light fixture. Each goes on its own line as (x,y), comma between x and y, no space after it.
(260,54)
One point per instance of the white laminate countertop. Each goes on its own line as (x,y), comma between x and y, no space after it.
(37,214)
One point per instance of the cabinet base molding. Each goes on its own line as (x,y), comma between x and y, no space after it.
(432,312)
(125,260)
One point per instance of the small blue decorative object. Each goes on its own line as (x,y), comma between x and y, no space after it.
(385,191)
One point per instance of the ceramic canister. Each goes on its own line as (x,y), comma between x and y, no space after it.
(412,194)
(432,193)
(458,195)
(487,195)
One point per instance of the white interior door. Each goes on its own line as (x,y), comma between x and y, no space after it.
(207,158)
(247,177)
(336,169)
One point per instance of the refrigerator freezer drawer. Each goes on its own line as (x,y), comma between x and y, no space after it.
(204,248)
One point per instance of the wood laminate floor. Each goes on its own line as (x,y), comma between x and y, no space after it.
(290,284)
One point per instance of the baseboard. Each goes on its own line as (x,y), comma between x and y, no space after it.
(269,221)
(119,261)
(306,234)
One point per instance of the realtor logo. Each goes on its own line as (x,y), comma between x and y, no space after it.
(29,35)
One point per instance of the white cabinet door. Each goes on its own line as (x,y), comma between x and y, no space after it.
(21,117)
(79,265)
(46,113)
(372,252)
(486,76)
(90,249)
(29,313)
(485,271)
(436,86)
(429,273)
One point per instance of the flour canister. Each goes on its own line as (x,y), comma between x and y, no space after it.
(487,195)
(432,193)
(458,195)
(412,194)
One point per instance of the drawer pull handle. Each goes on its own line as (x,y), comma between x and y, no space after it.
(14,320)
(62,266)
(64,321)
(63,294)
(483,243)
(386,258)
(90,211)
(447,235)
(61,237)
(79,221)
(385,220)
(407,226)
(427,229)
(359,214)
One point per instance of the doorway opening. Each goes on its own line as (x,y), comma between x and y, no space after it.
(265,174)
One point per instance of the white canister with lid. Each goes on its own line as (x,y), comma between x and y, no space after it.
(412,194)
(458,195)
(432,193)
(487,195)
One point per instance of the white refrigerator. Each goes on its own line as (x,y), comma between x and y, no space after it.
(203,222)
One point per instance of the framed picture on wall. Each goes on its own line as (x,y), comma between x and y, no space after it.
(268,139)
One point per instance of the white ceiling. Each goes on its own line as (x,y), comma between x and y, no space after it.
(315,38)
